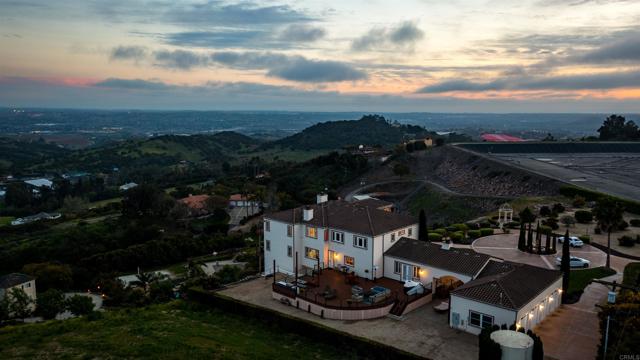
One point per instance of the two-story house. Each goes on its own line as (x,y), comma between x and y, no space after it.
(334,234)
(18,281)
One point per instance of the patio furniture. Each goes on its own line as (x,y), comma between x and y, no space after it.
(356,298)
(357,290)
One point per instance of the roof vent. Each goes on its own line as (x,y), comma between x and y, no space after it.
(307,214)
(322,198)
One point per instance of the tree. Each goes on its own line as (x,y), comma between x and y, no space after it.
(545,211)
(50,303)
(80,305)
(615,127)
(19,303)
(539,238)
(530,239)
(422,226)
(547,247)
(568,220)
(161,291)
(4,309)
(522,239)
(608,212)
(527,216)
(557,208)
(565,267)
(487,348)
(18,195)
(50,275)
(74,205)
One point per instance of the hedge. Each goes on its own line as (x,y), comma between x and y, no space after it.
(460,227)
(456,236)
(434,236)
(486,231)
(474,234)
(364,348)
(571,192)
(585,238)
(583,216)
(440,231)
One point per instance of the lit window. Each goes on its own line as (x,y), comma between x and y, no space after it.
(360,241)
(349,261)
(416,272)
(312,232)
(289,230)
(337,236)
(393,237)
(311,253)
(267,245)
(401,232)
(397,267)
(267,226)
(479,319)
(289,251)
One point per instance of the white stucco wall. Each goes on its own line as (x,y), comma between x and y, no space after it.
(29,288)
(462,307)
(426,276)
(533,307)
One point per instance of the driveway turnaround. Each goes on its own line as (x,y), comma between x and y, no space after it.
(422,332)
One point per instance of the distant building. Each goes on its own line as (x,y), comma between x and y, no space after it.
(75,177)
(36,217)
(428,142)
(40,183)
(500,138)
(239,200)
(197,204)
(18,281)
(127,186)
(374,203)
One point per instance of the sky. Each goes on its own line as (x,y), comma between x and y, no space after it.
(348,55)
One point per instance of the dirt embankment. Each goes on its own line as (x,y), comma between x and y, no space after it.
(468,173)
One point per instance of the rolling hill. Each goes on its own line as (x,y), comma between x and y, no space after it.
(17,154)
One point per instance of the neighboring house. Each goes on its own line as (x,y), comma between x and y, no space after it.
(18,281)
(197,204)
(366,200)
(506,293)
(127,186)
(36,217)
(239,200)
(428,263)
(333,234)
(75,177)
(39,183)
(428,141)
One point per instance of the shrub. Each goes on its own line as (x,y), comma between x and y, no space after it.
(474,234)
(551,222)
(545,211)
(486,231)
(567,220)
(579,201)
(585,238)
(460,227)
(457,236)
(485,224)
(558,208)
(433,236)
(401,169)
(584,216)
(545,230)
(635,222)
(80,305)
(627,241)
(440,231)
(513,225)
(622,225)
(597,231)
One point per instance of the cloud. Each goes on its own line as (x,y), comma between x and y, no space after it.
(136,53)
(250,59)
(625,50)
(218,13)
(568,82)
(132,84)
(403,35)
(179,59)
(302,33)
(218,39)
(303,70)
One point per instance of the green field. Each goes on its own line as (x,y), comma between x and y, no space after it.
(6,220)
(169,331)
(579,279)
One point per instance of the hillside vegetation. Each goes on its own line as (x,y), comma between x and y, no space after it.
(170,331)
(15,154)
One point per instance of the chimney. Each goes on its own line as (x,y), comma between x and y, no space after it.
(307,214)
(322,198)
(446,245)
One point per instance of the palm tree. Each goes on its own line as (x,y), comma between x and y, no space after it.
(195,270)
(608,212)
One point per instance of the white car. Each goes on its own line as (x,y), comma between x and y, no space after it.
(573,241)
(575,262)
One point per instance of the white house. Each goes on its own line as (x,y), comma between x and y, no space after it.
(40,183)
(127,186)
(239,200)
(333,234)
(505,293)
(18,281)
(36,217)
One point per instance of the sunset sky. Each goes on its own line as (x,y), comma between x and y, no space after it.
(404,55)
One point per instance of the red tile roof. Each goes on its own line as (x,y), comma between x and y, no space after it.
(196,202)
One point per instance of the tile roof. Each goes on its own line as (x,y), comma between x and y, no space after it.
(196,202)
(352,217)
(11,280)
(374,203)
(507,284)
(459,260)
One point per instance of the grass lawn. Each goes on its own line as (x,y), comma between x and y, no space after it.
(580,278)
(168,331)
(6,220)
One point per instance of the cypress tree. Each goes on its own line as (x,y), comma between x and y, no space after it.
(547,247)
(530,239)
(539,238)
(522,239)
(565,267)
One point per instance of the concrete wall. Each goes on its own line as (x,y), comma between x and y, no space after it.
(335,314)
(462,306)
(533,307)
(418,303)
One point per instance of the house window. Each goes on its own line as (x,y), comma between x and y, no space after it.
(267,225)
(312,232)
(416,272)
(401,232)
(360,241)
(393,237)
(289,230)
(311,253)
(267,245)
(480,320)
(397,267)
(349,261)
(289,251)
(337,236)
(410,231)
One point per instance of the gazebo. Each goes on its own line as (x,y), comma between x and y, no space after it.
(505,214)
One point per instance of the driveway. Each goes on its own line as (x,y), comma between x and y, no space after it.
(423,331)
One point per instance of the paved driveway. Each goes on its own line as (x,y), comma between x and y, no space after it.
(423,331)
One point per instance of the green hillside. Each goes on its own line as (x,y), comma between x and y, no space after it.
(18,154)
(369,130)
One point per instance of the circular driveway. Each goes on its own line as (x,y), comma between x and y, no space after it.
(505,246)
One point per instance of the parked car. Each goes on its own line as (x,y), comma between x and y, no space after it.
(575,262)
(573,241)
